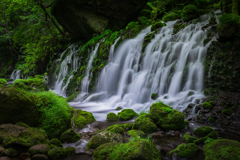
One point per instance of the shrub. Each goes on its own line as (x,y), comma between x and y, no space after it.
(171,16)
(189,12)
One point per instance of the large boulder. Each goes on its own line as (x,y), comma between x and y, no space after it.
(83,18)
(69,136)
(126,114)
(185,150)
(17,106)
(38,149)
(81,118)
(138,149)
(20,137)
(222,149)
(145,124)
(166,117)
(104,137)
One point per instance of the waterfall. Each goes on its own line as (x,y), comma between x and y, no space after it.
(68,65)
(15,75)
(171,66)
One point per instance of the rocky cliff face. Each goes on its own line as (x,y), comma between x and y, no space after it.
(83,18)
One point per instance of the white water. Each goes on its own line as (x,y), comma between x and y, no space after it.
(15,75)
(171,66)
(68,65)
(86,79)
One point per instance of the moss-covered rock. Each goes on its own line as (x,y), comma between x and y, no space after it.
(138,149)
(227,111)
(56,142)
(188,138)
(3,81)
(186,124)
(145,124)
(104,137)
(136,133)
(203,131)
(60,153)
(207,105)
(81,118)
(126,114)
(10,152)
(189,12)
(166,117)
(112,116)
(17,106)
(38,149)
(117,128)
(186,150)
(157,26)
(119,108)
(222,149)
(212,135)
(154,96)
(128,126)
(21,137)
(171,16)
(69,136)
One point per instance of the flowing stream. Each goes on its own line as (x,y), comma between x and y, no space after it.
(171,67)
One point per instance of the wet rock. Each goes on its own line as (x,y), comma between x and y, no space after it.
(212,135)
(166,117)
(159,134)
(119,108)
(39,149)
(69,136)
(173,134)
(56,142)
(40,157)
(10,152)
(145,124)
(224,148)
(104,137)
(1,148)
(112,116)
(203,131)
(126,114)
(128,126)
(140,149)
(81,118)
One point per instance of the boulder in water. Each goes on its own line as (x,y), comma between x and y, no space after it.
(137,149)
(84,18)
(145,124)
(222,149)
(203,131)
(112,116)
(81,118)
(185,150)
(69,136)
(126,114)
(166,117)
(104,137)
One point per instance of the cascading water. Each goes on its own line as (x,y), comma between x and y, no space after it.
(171,66)
(86,79)
(15,75)
(68,66)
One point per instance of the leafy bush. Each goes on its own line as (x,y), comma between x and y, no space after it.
(228,19)
(171,16)
(3,81)
(189,12)
(56,116)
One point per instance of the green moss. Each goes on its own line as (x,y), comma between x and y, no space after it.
(213,135)
(145,124)
(81,118)
(126,114)
(146,41)
(186,150)
(207,105)
(227,112)
(189,12)
(56,142)
(170,16)
(3,81)
(112,116)
(188,138)
(203,131)
(222,149)
(166,117)
(23,124)
(117,128)
(157,26)
(118,108)
(60,153)
(128,126)
(154,96)
(139,149)
(69,136)
(211,119)
(135,133)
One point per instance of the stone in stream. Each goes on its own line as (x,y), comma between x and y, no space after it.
(69,136)
(117,128)
(10,152)
(39,149)
(188,138)
(81,118)
(136,133)
(166,117)
(222,149)
(55,142)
